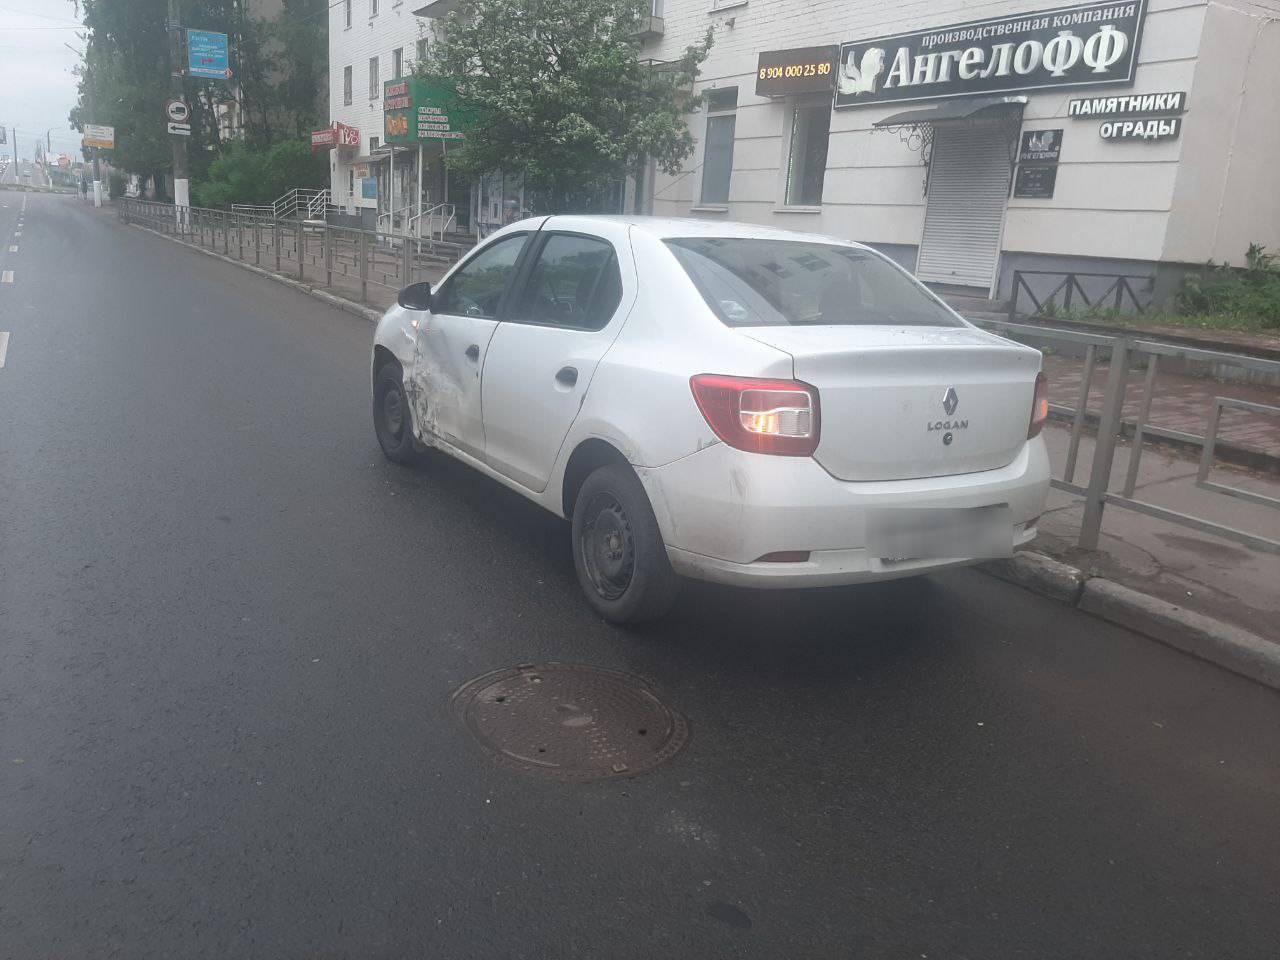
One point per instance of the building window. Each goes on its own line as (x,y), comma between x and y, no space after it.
(422,49)
(347,12)
(374,143)
(375,88)
(373,8)
(397,63)
(717,152)
(346,85)
(807,153)
(351,182)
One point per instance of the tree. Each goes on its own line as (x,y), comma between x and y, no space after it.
(278,68)
(559,93)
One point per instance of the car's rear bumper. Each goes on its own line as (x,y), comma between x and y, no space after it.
(720,510)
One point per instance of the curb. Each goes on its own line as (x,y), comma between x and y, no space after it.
(1224,644)
(342,303)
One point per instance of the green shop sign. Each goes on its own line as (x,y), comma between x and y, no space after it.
(414,110)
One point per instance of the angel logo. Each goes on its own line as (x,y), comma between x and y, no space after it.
(863,77)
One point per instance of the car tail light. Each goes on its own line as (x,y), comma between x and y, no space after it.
(762,416)
(1039,406)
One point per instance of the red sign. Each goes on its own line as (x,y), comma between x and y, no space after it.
(336,135)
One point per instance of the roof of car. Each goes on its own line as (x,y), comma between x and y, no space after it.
(671,227)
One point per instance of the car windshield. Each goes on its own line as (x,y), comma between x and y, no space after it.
(757,283)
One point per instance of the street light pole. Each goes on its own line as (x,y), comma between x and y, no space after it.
(181,185)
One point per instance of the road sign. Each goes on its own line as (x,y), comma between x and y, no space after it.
(96,135)
(178,129)
(208,54)
(177,111)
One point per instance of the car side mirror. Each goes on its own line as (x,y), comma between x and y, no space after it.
(416,296)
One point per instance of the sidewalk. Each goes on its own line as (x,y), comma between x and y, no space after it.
(1201,572)
(1179,403)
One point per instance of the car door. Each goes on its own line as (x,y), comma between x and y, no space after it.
(453,340)
(545,352)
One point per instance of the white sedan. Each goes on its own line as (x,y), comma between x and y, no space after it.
(720,401)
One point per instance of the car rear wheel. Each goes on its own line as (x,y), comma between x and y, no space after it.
(618,550)
(391,415)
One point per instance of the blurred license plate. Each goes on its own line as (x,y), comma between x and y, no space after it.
(940,532)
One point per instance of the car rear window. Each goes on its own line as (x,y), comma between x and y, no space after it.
(761,283)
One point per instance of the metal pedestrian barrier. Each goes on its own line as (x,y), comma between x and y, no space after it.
(1121,354)
(348,260)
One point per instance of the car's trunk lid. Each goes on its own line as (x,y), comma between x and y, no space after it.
(901,402)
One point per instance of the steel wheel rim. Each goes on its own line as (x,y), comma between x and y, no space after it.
(607,546)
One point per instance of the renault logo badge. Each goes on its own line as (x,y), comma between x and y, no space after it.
(950,400)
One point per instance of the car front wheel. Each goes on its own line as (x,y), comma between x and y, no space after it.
(618,550)
(391,415)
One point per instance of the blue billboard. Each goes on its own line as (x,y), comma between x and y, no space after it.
(208,55)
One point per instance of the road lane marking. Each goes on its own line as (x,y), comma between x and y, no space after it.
(14,248)
(4,346)
(6,277)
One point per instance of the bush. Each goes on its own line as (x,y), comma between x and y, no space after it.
(1251,294)
(241,175)
(115,185)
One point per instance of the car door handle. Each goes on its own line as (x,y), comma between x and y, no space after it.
(473,352)
(567,376)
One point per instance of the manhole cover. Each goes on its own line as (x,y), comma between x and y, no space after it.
(571,722)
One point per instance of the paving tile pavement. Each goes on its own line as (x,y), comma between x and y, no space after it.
(1178,403)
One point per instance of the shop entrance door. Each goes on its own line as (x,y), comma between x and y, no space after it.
(964,212)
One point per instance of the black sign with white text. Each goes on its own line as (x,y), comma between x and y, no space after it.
(782,73)
(1040,146)
(1035,182)
(1075,46)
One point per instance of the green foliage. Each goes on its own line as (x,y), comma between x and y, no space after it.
(561,95)
(244,175)
(1250,295)
(279,67)
(115,185)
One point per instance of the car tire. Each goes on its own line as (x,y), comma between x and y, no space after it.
(391,421)
(618,551)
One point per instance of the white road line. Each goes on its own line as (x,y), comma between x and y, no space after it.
(4,346)
(6,277)
(14,248)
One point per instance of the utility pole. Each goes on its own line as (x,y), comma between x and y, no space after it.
(181,185)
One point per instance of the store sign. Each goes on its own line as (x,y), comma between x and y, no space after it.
(99,136)
(208,55)
(1084,45)
(1135,105)
(1035,183)
(1164,129)
(783,73)
(335,135)
(1040,146)
(414,110)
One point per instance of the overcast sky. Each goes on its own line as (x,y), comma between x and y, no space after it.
(37,88)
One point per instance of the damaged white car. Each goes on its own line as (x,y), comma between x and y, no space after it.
(721,401)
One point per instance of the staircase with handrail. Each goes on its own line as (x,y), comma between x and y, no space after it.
(300,203)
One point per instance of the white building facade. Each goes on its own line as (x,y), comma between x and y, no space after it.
(371,184)
(972,142)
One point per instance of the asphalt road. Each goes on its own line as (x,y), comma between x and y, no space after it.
(229,631)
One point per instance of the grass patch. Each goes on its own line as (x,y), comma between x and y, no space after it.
(1217,297)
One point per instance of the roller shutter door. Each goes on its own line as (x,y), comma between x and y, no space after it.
(968,187)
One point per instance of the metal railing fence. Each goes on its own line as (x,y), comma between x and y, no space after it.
(1112,292)
(345,258)
(1124,353)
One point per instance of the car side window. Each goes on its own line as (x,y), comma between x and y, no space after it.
(574,283)
(476,289)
